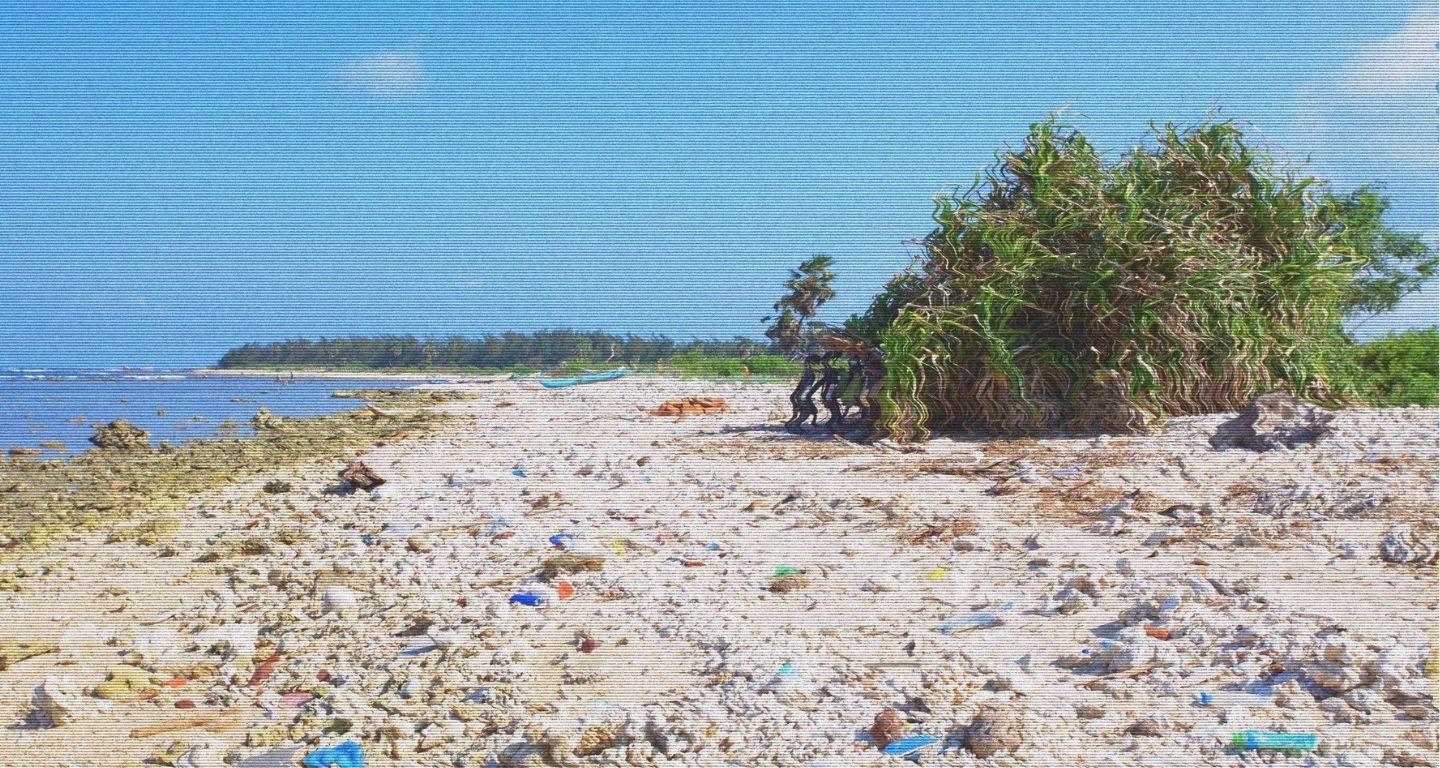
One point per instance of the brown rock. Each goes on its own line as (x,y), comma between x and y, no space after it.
(887,727)
(995,730)
(1274,420)
(361,476)
(1146,727)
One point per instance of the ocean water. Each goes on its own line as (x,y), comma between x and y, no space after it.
(45,404)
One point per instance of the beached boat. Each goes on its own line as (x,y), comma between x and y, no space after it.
(591,379)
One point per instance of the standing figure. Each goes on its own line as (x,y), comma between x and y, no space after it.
(801,406)
(830,390)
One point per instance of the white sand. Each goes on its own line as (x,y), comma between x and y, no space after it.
(699,661)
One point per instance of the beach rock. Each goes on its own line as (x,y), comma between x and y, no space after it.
(1148,726)
(995,729)
(264,419)
(886,728)
(121,435)
(361,476)
(1274,420)
(55,703)
(1402,545)
(277,486)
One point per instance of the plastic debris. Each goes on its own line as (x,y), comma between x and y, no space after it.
(527,598)
(910,745)
(55,703)
(345,755)
(983,619)
(1301,742)
(692,406)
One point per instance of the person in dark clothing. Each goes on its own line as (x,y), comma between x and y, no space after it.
(801,405)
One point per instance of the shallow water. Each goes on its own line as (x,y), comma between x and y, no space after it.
(39,404)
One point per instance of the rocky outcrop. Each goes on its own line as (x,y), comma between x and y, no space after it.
(121,435)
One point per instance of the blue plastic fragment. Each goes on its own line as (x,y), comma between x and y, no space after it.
(788,668)
(518,473)
(912,744)
(561,539)
(526,598)
(347,755)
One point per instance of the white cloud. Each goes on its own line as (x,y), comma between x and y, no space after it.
(1377,110)
(390,74)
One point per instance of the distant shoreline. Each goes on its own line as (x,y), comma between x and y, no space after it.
(326,374)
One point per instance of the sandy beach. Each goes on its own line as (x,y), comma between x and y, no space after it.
(564,579)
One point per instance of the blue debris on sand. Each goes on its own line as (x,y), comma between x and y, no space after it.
(347,755)
(910,745)
(526,598)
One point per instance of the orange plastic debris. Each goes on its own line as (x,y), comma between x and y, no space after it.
(565,590)
(692,406)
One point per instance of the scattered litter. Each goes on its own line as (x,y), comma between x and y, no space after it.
(527,598)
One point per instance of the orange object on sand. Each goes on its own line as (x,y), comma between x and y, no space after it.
(1159,633)
(565,590)
(692,406)
(175,682)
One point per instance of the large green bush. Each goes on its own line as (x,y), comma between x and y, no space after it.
(1071,291)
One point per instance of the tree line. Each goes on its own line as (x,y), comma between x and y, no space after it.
(506,350)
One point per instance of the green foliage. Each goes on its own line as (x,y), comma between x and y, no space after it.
(1399,369)
(1185,276)
(510,351)
(806,290)
(1395,263)
(703,366)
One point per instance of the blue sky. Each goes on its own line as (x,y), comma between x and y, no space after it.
(178,179)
